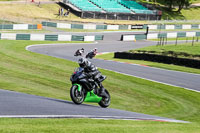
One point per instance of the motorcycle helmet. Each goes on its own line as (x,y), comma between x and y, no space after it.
(83,62)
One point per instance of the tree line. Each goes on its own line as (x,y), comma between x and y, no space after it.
(177,3)
(173,3)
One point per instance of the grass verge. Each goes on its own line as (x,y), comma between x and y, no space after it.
(24,31)
(37,74)
(183,50)
(92,125)
(196,39)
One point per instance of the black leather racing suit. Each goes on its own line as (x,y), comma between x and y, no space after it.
(91,71)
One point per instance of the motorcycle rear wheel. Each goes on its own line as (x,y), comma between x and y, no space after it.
(76,96)
(105,102)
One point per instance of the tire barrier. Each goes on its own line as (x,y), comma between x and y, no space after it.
(159,58)
(48,37)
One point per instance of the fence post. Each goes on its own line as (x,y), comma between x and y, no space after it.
(176,40)
(193,41)
(160,40)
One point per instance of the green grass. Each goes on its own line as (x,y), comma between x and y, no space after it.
(37,74)
(92,125)
(24,31)
(195,1)
(187,48)
(196,39)
(6,22)
(185,14)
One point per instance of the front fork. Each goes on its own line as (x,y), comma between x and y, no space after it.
(79,87)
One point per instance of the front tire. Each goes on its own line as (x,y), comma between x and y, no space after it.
(105,102)
(76,96)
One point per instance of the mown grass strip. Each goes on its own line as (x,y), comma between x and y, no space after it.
(92,125)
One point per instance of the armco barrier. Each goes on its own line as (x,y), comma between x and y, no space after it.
(7,26)
(99,37)
(64,37)
(77,38)
(157,35)
(118,27)
(37,37)
(8,36)
(20,26)
(23,37)
(76,26)
(47,37)
(30,26)
(51,37)
(159,58)
(101,27)
(123,27)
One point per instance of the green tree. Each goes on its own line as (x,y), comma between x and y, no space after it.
(182,3)
(169,3)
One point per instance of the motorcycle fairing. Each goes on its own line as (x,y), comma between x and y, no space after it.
(91,97)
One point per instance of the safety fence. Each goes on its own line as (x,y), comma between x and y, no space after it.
(119,27)
(20,26)
(48,37)
(158,35)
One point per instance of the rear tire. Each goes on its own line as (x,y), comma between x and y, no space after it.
(105,102)
(76,96)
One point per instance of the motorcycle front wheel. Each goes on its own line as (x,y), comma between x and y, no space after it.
(105,102)
(76,96)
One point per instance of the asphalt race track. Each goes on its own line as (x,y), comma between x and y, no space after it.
(19,105)
(14,104)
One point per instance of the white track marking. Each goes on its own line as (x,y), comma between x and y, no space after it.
(92,116)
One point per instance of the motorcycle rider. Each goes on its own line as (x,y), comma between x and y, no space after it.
(92,71)
(79,52)
(92,53)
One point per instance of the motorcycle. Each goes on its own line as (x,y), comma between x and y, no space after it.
(90,55)
(85,89)
(79,52)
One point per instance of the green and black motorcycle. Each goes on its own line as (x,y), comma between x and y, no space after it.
(85,89)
